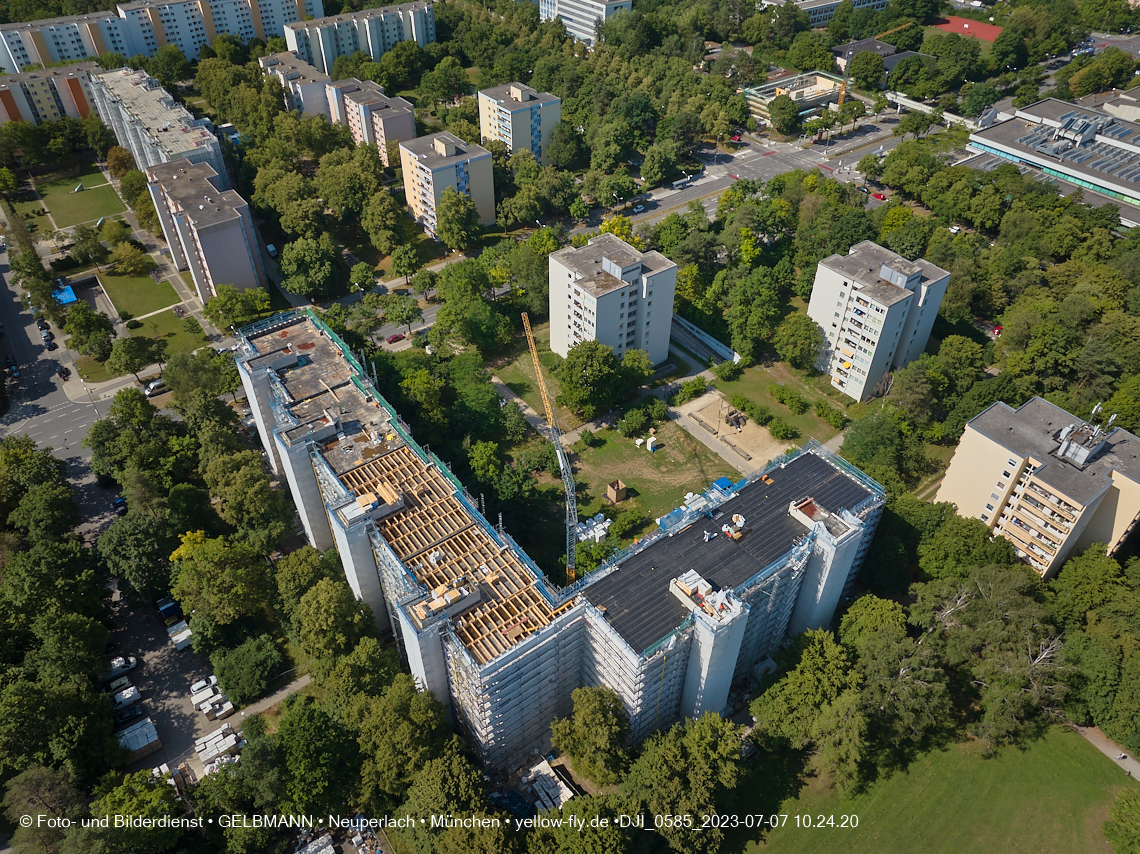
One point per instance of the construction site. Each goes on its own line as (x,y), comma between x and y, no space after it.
(669,623)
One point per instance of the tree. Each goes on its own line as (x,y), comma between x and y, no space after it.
(247,499)
(380,220)
(119,161)
(400,731)
(799,341)
(129,356)
(808,52)
(136,549)
(1086,582)
(869,616)
(114,232)
(131,261)
(590,377)
(169,66)
(44,792)
(131,187)
(447,784)
(402,310)
(91,331)
(142,795)
(361,277)
(8,182)
(457,220)
(87,245)
(232,307)
(785,115)
(299,571)
(307,265)
(1122,829)
(866,69)
(330,620)
(595,735)
(405,262)
(960,545)
(320,758)
(219,579)
(244,673)
(46,511)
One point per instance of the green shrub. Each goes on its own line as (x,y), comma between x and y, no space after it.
(245,671)
(728,371)
(590,439)
(655,409)
(757,413)
(690,390)
(782,431)
(192,326)
(833,416)
(134,324)
(796,403)
(777,392)
(633,422)
(626,523)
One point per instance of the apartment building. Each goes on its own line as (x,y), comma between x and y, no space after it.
(372,117)
(876,310)
(431,164)
(1048,482)
(581,17)
(607,291)
(303,85)
(668,623)
(45,96)
(209,229)
(520,117)
(143,27)
(151,125)
(375,31)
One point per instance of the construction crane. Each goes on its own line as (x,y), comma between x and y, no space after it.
(563,462)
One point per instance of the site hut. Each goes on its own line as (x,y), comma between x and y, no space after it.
(668,624)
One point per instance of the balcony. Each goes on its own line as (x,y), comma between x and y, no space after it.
(1064,508)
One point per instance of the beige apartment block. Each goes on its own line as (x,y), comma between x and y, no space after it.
(1046,481)
(373,118)
(521,117)
(431,164)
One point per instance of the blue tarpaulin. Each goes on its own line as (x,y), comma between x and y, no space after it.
(64,295)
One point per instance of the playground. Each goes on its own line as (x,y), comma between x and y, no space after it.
(67,206)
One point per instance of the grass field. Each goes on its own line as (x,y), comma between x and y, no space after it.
(97,199)
(657,482)
(754,382)
(168,328)
(518,373)
(1050,798)
(93,371)
(138,294)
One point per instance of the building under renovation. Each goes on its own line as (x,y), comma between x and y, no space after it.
(668,623)
(812,93)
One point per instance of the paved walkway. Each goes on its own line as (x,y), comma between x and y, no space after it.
(1110,749)
(275,698)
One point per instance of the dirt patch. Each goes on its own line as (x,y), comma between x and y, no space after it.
(753,438)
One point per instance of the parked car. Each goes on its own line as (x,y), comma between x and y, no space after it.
(879,196)
(863,190)
(122,664)
(155,387)
(126,698)
(63,372)
(47,335)
(392,339)
(119,505)
(128,714)
(203,684)
(997,331)
(10,360)
(639,209)
(117,685)
(50,345)
(736,137)
(41,323)
(14,372)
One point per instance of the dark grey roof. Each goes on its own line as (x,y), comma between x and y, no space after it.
(864,263)
(423,149)
(502,94)
(636,597)
(863,46)
(1033,431)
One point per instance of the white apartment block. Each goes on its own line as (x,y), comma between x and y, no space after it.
(581,17)
(148,122)
(820,12)
(1046,481)
(668,625)
(304,86)
(431,164)
(372,117)
(375,31)
(876,310)
(209,229)
(45,96)
(520,117)
(607,291)
(143,27)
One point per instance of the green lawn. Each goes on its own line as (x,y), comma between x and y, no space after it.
(167,327)
(93,371)
(657,482)
(754,382)
(1050,798)
(97,199)
(518,373)
(138,294)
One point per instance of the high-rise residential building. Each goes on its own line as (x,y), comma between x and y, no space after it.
(607,291)
(151,125)
(209,229)
(145,26)
(876,310)
(431,164)
(521,117)
(820,12)
(1047,481)
(668,625)
(375,31)
(373,118)
(303,85)
(44,96)
(581,17)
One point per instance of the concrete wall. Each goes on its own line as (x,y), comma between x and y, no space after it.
(1115,516)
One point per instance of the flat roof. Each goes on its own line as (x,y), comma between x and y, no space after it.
(190,185)
(586,261)
(423,149)
(372,95)
(502,94)
(290,66)
(45,73)
(169,123)
(43,23)
(636,597)
(362,15)
(443,541)
(1033,430)
(864,45)
(864,264)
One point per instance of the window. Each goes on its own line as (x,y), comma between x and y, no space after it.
(1011,463)
(989,507)
(985,518)
(994,496)
(1005,474)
